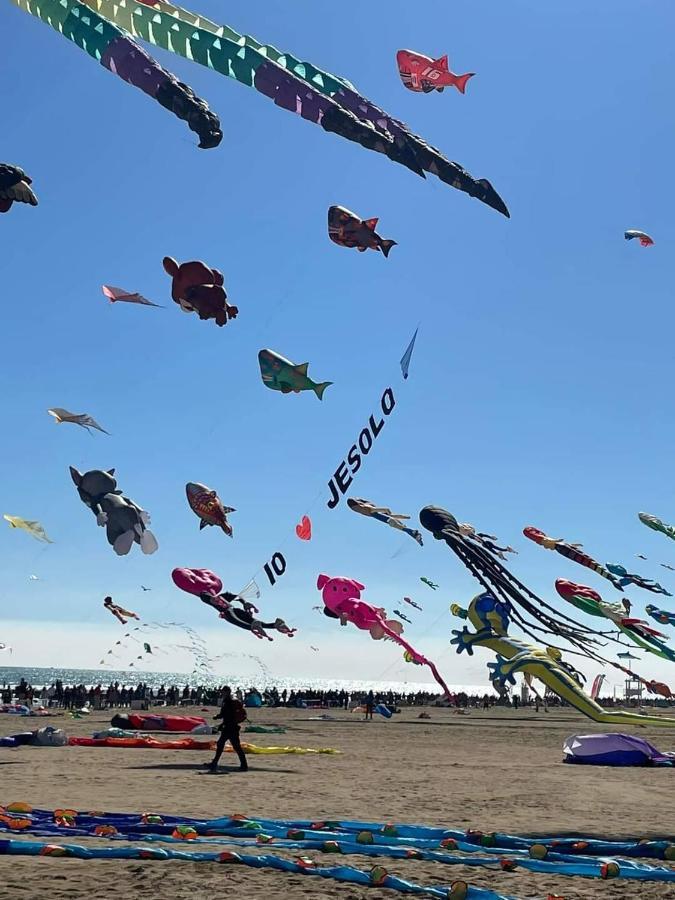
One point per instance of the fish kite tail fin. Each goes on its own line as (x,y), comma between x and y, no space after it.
(386,247)
(320,388)
(462,80)
(418,537)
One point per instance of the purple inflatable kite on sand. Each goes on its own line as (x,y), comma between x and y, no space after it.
(613,750)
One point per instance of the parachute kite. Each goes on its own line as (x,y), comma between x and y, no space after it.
(657,525)
(209,588)
(660,615)
(299,87)
(643,237)
(208,507)
(424,74)
(197,288)
(15,187)
(625,578)
(125,521)
(34,529)
(118,53)
(486,540)
(342,600)
(383,514)
(589,601)
(119,612)
(119,295)
(280,374)
(82,419)
(570,551)
(346,229)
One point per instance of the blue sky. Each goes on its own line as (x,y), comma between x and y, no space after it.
(541,387)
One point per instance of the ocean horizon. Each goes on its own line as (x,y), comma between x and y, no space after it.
(40,677)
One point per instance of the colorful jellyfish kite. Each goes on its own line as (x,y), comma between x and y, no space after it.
(209,588)
(643,237)
(34,529)
(197,288)
(280,374)
(570,551)
(119,295)
(82,419)
(342,600)
(15,187)
(295,85)
(118,53)
(660,615)
(346,229)
(208,507)
(126,523)
(657,525)
(424,74)
(383,514)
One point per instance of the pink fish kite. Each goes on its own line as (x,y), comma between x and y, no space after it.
(342,600)
(423,74)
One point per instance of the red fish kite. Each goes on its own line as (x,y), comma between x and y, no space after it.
(423,74)
(348,230)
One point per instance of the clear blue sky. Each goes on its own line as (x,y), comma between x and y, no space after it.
(541,388)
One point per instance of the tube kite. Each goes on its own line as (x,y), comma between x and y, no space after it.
(657,525)
(342,600)
(82,419)
(122,56)
(297,86)
(34,529)
(383,514)
(208,587)
(660,615)
(15,187)
(570,551)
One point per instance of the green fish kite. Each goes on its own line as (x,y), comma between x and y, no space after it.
(281,374)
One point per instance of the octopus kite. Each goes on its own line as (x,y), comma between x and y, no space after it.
(383,514)
(209,588)
(570,551)
(342,600)
(119,612)
(297,86)
(660,615)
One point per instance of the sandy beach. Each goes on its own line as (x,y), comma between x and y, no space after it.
(495,770)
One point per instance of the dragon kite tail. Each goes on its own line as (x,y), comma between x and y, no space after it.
(116,50)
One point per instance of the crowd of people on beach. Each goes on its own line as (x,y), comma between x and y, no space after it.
(116,695)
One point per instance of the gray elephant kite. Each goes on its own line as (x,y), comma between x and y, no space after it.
(125,521)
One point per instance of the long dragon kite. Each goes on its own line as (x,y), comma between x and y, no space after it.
(122,56)
(297,86)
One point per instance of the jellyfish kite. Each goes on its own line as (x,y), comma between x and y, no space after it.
(570,551)
(208,587)
(294,85)
(342,600)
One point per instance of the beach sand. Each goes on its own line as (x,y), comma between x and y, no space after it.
(495,770)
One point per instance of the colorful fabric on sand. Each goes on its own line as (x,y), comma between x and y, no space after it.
(150,743)
(613,750)
(576,855)
(147,722)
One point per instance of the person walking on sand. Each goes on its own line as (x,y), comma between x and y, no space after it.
(370,705)
(232,713)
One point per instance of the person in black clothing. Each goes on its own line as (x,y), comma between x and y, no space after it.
(232,713)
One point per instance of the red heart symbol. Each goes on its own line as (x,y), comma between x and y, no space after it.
(304,529)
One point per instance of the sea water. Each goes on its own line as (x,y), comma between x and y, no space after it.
(39,677)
